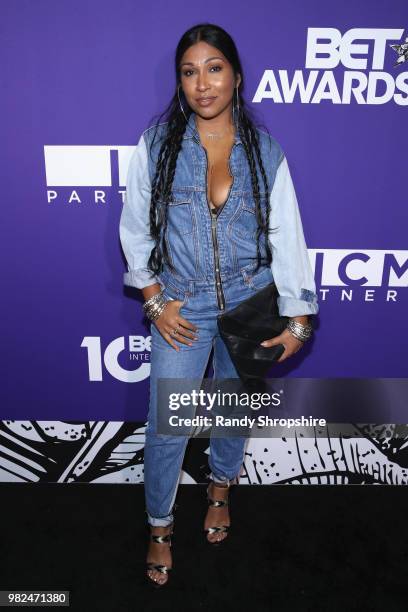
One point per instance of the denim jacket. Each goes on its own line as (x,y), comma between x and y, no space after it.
(203,247)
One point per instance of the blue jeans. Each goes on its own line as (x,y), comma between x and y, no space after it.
(163,454)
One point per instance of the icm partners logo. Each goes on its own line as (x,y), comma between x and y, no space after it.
(363,274)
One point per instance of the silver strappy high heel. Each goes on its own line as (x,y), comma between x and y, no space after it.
(163,569)
(216,503)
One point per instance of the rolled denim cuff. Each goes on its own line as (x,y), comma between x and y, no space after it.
(292,307)
(223,479)
(220,480)
(139,278)
(159,522)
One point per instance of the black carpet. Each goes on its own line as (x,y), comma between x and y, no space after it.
(290,548)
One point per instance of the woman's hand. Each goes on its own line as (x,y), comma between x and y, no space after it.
(292,345)
(170,319)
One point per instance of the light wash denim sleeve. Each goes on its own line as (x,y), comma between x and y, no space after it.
(291,268)
(134,226)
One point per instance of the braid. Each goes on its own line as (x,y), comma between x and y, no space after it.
(175,118)
(250,140)
(161,194)
(162,184)
(267,207)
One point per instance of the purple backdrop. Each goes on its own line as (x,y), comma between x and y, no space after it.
(82,80)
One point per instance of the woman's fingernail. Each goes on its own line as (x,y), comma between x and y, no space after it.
(263,344)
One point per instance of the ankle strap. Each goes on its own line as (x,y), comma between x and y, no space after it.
(161,539)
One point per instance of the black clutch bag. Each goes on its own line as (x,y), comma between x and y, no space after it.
(245,326)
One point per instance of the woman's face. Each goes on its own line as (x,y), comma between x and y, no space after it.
(206,73)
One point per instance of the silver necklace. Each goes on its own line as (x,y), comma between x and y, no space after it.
(215,135)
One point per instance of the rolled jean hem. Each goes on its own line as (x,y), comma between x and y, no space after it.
(221,479)
(160,522)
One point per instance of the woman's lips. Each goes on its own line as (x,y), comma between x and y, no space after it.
(205,101)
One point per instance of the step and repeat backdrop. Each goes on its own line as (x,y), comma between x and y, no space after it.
(81,81)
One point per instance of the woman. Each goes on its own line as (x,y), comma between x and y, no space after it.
(204,191)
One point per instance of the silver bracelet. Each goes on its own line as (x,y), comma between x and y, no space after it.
(157,312)
(152,300)
(299,331)
(154,306)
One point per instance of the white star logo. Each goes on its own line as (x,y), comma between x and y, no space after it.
(402,51)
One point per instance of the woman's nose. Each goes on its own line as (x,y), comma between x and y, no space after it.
(202,82)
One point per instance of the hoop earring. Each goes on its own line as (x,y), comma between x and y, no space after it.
(233,109)
(181,106)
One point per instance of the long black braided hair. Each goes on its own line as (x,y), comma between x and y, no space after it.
(162,181)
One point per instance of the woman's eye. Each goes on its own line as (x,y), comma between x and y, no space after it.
(216,68)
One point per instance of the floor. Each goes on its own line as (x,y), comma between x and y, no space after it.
(290,548)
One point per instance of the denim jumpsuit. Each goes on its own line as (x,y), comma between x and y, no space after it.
(214,256)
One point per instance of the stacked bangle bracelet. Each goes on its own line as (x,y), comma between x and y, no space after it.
(301,332)
(154,306)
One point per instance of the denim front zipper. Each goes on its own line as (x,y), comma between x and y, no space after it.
(220,293)
(214,214)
